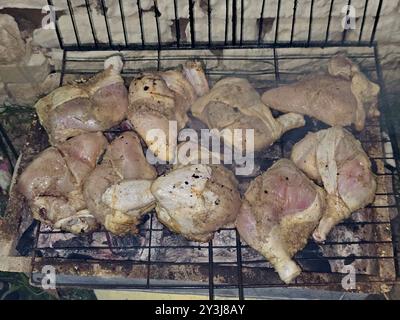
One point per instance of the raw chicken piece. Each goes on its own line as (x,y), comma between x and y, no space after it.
(47,173)
(52,182)
(81,154)
(184,92)
(335,158)
(365,91)
(196,200)
(194,73)
(157,98)
(280,210)
(190,152)
(96,105)
(117,192)
(342,98)
(234,104)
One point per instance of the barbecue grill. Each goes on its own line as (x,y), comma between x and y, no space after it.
(157,259)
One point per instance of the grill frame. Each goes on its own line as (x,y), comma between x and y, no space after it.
(233,40)
(212,269)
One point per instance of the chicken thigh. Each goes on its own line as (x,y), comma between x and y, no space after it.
(96,105)
(280,210)
(336,159)
(234,104)
(158,99)
(343,97)
(52,183)
(196,200)
(117,191)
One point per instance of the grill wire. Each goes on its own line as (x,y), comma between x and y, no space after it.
(275,57)
(235,22)
(237,277)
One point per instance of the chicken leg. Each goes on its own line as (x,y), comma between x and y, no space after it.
(336,159)
(96,105)
(117,192)
(52,183)
(280,210)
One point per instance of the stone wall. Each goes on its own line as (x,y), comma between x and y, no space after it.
(25,71)
(30,58)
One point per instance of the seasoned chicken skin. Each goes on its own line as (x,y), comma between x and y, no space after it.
(96,105)
(157,98)
(196,200)
(234,104)
(52,183)
(117,191)
(335,158)
(194,73)
(280,210)
(343,97)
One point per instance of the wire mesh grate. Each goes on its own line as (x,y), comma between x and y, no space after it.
(158,259)
(140,25)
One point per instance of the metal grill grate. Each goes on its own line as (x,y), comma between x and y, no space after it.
(142,30)
(107,262)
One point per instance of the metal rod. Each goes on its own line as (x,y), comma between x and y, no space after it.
(78,283)
(156,13)
(226,20)
(363,20)
(239,268)
(141,22)
(194,247)
(71,14)
(149,248)
(209,22)
(177,26)
(378,13)
(218,45)
(33,259)
(89,11)
(276,67)
(293,20)
(106,22)
(158,60)
(211,270)
(329,23)
(277,21)
(392,135)
(345,223)
(241,20)
(261,22)
(234,21)
(211,264)
(310,23)
(121,10)
(60,40)
(63,67)
(191,18)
